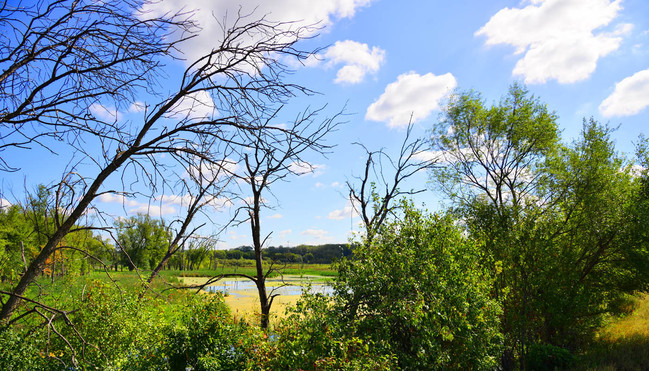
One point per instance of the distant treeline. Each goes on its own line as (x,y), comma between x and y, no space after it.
(319,254)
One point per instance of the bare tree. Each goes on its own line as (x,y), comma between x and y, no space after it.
(382,178)
(64,58)
(277,152)
(211,190)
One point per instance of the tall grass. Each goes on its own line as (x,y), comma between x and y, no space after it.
(623,344)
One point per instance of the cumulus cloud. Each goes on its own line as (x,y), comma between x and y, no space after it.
(637,170)
(233,235)
(164,207)
(175,199)
(118,199)
(357,60)
(4,203)
(346,212)
(412,94)
(207,14)
(304,168)
(206,172)
(104,113)
(630,96)
(284,233)
(155,210)
(557,38)
(431,156)
(195,106)
(318,234)
(137,107)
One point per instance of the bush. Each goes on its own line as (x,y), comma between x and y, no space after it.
(20,351)
(418,292)
(312,337)
(547,357)
(205,337)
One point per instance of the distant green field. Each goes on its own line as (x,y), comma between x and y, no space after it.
(293,269)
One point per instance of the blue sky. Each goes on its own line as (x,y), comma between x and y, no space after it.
(387,60)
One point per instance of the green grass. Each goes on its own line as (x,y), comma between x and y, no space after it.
(324,270)
(623,344)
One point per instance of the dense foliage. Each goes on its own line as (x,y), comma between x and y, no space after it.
(560,223)
(418,292)
(142,241)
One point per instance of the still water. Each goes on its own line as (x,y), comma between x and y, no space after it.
(286,287)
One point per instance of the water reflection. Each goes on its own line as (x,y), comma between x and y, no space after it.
(241,288)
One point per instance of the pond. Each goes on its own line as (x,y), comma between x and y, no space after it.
(288,286)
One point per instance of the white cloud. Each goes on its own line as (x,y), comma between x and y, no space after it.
(357,60)
(346,212)
(284,233)
(304,168)
(556,37)
(4,203)
(118,199)
(335,184)
(447,157)
(430,156)
(248,201)
(175,199)
(235,237)
(318,234)
(275,216)
(631,96)
(412,94)
(319,185)
(207,172)
(208,13)
(137,107)
(165,207)
(637,170)
(101,112)
(155,210)
(218,203)
(195,106)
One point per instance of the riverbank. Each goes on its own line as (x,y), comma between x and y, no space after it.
(242,296)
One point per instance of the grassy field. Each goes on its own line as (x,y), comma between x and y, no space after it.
(248,268)
(623,344)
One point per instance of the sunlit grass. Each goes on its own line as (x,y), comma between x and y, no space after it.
(623,344)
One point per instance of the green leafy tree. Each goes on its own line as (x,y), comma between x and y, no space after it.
(16,242)
(142,241)
(598,210)
(418,292)
(554,218)
(493,151)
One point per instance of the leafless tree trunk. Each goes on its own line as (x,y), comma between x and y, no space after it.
(273,159)
(374,200)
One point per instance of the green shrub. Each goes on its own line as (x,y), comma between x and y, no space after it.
(418,291)
(20,351)
(312,337)
(547,357)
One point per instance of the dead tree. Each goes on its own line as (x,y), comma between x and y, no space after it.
(277,154)
(379,186)
(64,58)
(212,184)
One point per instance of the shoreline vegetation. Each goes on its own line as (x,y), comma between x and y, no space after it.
(622,343)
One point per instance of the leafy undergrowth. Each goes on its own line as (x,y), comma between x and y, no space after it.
(624,343)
